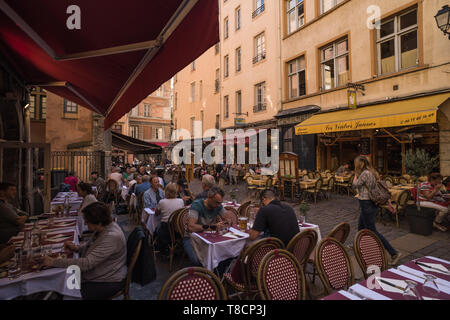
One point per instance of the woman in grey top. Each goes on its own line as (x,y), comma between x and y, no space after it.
(85,190)
(366,179)
(103,259)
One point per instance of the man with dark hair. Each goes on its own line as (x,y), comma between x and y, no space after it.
(275,218)
(11,219)
(203,214)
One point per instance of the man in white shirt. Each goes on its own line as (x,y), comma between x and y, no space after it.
(117,176)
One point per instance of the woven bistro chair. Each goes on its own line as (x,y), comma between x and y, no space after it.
(333,265)
(369,251)
(316,191)
(250,259)
(328,189)
(280,277)
(310,175)
(242,210)
(193,283)
(403,180)
(126,290)
(349,186)
(232,214)
(389,181)
(174,233)
(340,232)
(400,205)
(301,246)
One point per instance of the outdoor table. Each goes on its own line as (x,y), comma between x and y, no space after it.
(342,179)
(407,271)
(308,184)
(150,220)
(212,248)
(341,295)
(396,191)
(52,279)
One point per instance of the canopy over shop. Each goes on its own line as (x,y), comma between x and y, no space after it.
(383,132)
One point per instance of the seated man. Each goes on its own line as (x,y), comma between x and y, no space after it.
(202,214)
(11,218)
(279,220)
(153,195)
(343,170)
(208,182)
(430,196)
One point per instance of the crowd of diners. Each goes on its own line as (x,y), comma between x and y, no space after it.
(102,258)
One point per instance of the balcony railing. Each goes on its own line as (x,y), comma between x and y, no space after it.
(259,107)
(258,11)
(259,57)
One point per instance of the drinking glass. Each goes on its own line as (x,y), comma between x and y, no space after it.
(243,223)
(411,292)
(430,286)
(301,220)
(14,267)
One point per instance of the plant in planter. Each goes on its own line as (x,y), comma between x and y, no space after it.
(420,163)
(304,208)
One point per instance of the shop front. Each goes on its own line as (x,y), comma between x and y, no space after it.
(383,132)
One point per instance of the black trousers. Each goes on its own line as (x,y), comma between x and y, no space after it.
(100,290)
(163,237)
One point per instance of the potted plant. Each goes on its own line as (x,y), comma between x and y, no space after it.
(420,163)
(304,208)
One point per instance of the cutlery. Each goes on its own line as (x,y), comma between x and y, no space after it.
(391,284)
(430,267)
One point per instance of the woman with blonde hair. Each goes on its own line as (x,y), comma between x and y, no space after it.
(164,209)
(366,178)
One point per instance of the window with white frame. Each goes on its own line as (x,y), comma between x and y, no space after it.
(238,18)
(397,43)
(158,133)
(192,125)
(260,48)
(135,111)
(70,107)
(217,82)
(238,59)
(295,14)
(326,5)
(226,107)
(225,66)
(192,98)
(297,77)
(260,97)
(335,64)
(134,131)
(225,28)
(175,102)
(147,110)
(238,102)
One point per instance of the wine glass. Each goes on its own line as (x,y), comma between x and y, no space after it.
(14,267)
(301,220)
(411,292)
(430,286)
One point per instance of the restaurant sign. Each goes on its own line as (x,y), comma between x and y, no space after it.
(398,120)
(239,122)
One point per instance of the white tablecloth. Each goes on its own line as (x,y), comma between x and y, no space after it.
(150,219)
(211,254)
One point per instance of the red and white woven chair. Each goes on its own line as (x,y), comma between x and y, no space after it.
(250,260)
(193,283)
(175,236)
(280,277)
(369,251)
(333,265)
(340,232)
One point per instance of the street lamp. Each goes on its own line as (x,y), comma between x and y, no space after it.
(443,20)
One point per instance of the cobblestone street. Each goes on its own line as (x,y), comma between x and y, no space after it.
(327,214)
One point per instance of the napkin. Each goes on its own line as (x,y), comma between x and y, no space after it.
(389,288)
(58,239)
(149,211)
(231,235)
(420,274)
(435,265)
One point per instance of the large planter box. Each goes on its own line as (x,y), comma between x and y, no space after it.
(420,221)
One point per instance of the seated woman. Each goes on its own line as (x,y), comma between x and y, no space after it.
(111,193)
(184,193)
(102,260)
(165,208)
(85,191)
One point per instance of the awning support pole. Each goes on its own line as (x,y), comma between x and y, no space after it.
(394,137)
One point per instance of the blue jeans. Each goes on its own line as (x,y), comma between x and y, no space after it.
(187,244)
(367,221)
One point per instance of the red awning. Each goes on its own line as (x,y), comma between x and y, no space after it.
(161,144)
(123,52)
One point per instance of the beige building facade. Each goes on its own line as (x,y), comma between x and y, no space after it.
(329,46)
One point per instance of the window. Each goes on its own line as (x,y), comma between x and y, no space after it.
(296,77)
(134,131)
(147,110)
(43,109)
(117,128)
(158,133)
(225,66)
(193,66)
(135,111)
(225,28)
(217,48)
(238,59)
(295,14)
(397,43)
(217,121)
(335,64)
(226,107)
(288,139)
(326,5)
(259,7)
(238,102)
(32,108)
(201,89)
(192,92)
(260,48)
(176,124)
(238,18)
(192,125)
(70,107)
(260,97)
(217,84)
